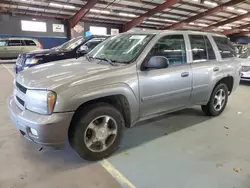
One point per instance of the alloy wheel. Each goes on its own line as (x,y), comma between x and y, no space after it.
(219,99)
(100,133)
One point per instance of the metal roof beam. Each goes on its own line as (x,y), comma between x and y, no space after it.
(150,13)
(37,13)
(242,33)
(228,21)
(203,14)
(82,12)
(236,30)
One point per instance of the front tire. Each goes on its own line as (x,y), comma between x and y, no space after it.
(97,131)
(217,102)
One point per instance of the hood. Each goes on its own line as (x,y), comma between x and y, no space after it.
(47,52)
(55,74)
(245,62)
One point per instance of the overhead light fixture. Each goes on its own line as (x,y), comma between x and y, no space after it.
(245,29)
(191,23)
(128,15)
(210,3)
(174,21)
(224,27)
(202,25)
(61,6)
(69,6)
(230,8)
(100,11)
(55,5)
(151,18)
(241,10)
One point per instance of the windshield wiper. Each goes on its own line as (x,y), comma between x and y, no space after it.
(102,59)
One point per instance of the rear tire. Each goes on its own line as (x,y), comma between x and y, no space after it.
(217,102)
(87,136)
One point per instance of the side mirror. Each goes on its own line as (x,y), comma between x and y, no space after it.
(83,49)
(156,62)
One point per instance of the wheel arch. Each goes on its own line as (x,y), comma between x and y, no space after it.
(228,80)
(120,96)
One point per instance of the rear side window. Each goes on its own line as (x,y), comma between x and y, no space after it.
(172,47)
(29,43)
(3,43)
(198,47)
(225,47)
(210,50)
(15,43)
(202,49)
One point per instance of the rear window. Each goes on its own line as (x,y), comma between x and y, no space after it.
(30,43)
(225,47)
(3,42)
(15,43)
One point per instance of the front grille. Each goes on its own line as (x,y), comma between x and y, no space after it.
(245,68)
(21,88)
(20,100)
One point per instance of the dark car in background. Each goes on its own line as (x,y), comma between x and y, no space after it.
(74,48)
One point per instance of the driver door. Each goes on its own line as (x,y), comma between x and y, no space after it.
(168,88)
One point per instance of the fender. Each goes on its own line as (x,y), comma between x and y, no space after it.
(72,103)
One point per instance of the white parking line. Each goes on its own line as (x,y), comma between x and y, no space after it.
(10,71)
(105,163)
(116,174)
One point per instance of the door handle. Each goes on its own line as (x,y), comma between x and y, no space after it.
(216,69)
(185,74)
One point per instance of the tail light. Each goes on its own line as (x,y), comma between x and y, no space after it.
(40,44)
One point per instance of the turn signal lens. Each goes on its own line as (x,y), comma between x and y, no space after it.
(51,102)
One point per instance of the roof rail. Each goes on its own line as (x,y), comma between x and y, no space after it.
(196,29)
(189,29)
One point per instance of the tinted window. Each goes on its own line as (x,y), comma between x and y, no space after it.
(15,43)
(30,43)
(210,50)
(3,42)
(198,47)
(172,47)
(202,49)
(225,47)
(70,45)
(93,43)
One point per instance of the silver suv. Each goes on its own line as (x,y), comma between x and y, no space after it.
(128,78)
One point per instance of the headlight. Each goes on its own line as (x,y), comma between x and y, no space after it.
(41,102)
(31,61)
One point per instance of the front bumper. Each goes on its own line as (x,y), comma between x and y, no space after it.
(52,129)
(245,76)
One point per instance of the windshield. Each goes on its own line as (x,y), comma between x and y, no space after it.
(121,48)
(70,45)
(245,55)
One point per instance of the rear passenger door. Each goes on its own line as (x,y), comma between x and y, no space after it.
(14,48)
(205,67)
(30,45)
(168,88)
